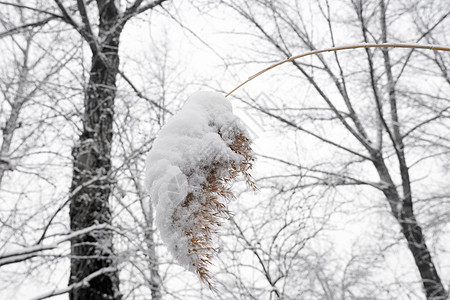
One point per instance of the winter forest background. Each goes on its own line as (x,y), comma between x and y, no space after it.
(352,147)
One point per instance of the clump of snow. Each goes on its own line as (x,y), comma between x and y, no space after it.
(188,174)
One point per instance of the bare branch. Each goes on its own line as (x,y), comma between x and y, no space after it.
(133,7)
(84,282)
(81,30)
(140,95)
(27,252)
(87,24)
(378,185)
(31,8)
(67,16)
(19,29)
(418,40)
(136,9)
(298,127)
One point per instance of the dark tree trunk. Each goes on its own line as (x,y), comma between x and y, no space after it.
(422,257)
(402,209)
(92,180)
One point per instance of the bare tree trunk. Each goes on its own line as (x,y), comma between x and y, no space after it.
(92,167)
(416,243)
(412,231)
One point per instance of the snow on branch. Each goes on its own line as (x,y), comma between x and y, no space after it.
(198,154)
(28,252)
(82,283)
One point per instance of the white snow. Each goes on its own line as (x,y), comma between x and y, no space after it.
(197,137)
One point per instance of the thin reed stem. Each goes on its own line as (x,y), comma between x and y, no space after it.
(334,49)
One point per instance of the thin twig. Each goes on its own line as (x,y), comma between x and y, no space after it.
(22,6)
(142,96)
(18,29)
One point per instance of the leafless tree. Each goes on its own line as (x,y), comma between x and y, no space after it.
(100,25)
(92,155)
(372,119)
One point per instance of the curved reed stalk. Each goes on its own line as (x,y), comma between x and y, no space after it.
(339,48)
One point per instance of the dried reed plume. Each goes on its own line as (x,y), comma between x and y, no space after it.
(213,198)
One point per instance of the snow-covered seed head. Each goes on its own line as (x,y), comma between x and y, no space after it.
(216,192)
(191,166)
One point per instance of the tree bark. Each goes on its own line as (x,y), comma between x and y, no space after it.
(432,283)
(412,232)
(404,211)
(92,167)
